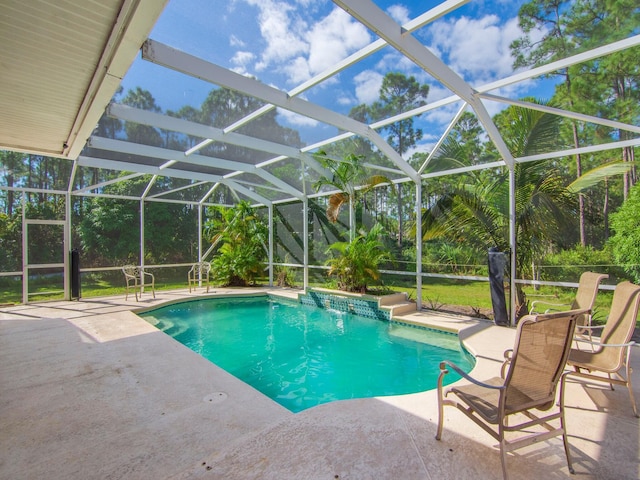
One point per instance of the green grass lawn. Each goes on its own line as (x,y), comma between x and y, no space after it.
(437,293)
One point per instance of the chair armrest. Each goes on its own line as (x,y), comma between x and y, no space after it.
(507,360)
(149,274)
(535,302)
(598,344)
(590,327)
(443,369)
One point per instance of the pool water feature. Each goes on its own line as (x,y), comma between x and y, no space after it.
(302,356)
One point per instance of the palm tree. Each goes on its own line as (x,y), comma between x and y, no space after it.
(477,208)
(240,258)
(359,260)
(350,178)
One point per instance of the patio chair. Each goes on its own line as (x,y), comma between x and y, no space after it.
(199,271)
(612,354)
(137,279)
(585,298)
(528,380)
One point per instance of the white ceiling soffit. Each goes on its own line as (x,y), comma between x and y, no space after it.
(61,63)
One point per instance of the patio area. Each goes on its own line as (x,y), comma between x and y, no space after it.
(90,390)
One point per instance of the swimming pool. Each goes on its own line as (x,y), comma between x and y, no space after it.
(302,356)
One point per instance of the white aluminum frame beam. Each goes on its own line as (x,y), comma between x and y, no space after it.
(433,14)
(383,25)
(169,57)
(151,170)
(177,156)
(178,189)
(520,77)
(165,122)
(563,113)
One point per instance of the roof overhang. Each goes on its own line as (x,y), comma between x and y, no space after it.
(61,64)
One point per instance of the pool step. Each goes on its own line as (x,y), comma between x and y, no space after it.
(397,304)
(402,308)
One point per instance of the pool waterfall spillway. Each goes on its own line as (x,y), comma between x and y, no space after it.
(381,308)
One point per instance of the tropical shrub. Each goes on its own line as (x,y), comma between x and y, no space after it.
(568,265)
(357,263)
(626,240)
(242,237)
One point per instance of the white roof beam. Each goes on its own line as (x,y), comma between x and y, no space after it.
(151,170)
(519,77)
(442,138)
(174,156)
(210,192)
(177,156)
(418,22)
(634,142)
(471,168)
(564,63)
(245,191)
(165,122)
(179,189)
(108,182)
(85,161)
(171,58)
(145,194)
(374,18)
(564,113)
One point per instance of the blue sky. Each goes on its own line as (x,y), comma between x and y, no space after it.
(284,43)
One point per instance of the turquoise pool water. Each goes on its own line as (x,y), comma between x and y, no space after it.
(303,356)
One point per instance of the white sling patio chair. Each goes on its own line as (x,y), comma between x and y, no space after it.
(529,378)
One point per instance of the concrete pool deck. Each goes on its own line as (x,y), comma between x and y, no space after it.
(89,390)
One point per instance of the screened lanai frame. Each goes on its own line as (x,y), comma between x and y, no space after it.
(245,179)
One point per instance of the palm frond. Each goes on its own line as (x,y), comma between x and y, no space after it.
(599,174)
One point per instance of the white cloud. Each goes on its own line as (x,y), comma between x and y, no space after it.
(368,85)
(236,42)
(281,29)
(333,38)
(297,70)
(344,100)
(478,49)
(296,120)
(241,59)
(299,49)
(399,13)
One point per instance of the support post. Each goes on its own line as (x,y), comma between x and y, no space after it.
(25,251)
(305,242)
(419,244)
(67,270)
(270,253)
(512,242)
(199,232)
(142,243)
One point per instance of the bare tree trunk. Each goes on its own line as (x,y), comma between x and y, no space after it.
(576,144)
(583,240)
(605,209)
(625,177)
(400,226)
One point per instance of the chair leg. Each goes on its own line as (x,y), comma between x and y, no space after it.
(503,456)
(440,405)
(630,387)
(565,438)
